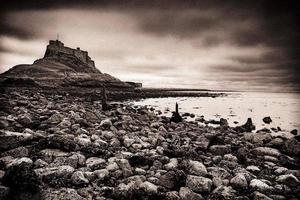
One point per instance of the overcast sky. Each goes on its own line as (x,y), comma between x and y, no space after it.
(251,45)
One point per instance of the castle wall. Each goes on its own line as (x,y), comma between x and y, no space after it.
(56,46)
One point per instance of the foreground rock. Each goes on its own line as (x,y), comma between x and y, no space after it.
(67,147)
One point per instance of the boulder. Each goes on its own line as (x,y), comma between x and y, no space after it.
(267,120)
(199,184)
(101,173)
(261,186)
(220,149)
(289,180)
(239,182)
(125,167)
(266,151)
(63,193)
(186,193)
(95,163)
(223,192)
(10,140)
(148,187)
(78,178)
(197,168)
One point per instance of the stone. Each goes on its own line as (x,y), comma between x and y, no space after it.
(17,152)
(198,183)
(173,180)
(260,196)
(172,195)
(292,146)
(252,168)
(125,167)
(220,149)
(62,193)
(106,123)
(78,178)
(186,193)
(148,187)
(248,126)
(197,168)
(261,186)
(223,192)
(294,132)
(128,142)
(172,164)
(20,161)
(95,163)
(289,180)
(112,167)
(4,192)
(267,120)
(266,151)
(101,173)
(39,163)
(55,176)
(239,182)
(10,140)
(65,123)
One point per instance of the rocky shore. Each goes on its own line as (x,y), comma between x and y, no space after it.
(57,146)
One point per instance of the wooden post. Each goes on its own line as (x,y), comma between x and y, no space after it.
(104,99)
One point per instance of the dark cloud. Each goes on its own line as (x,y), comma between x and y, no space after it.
(269,24)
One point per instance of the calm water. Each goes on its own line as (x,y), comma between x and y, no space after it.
(283,108)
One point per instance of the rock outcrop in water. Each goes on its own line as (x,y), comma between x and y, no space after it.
(65,147)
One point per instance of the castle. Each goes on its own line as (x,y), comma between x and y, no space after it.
(55,48)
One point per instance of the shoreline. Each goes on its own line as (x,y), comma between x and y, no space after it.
(56,146)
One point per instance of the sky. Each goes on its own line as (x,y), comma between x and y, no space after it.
(216,44)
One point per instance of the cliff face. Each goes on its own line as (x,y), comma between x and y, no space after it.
(63,66)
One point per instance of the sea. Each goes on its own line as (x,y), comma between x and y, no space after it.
(236,107)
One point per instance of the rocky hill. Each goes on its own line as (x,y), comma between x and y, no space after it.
(61,66)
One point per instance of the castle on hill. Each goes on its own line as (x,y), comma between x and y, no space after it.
(56,48)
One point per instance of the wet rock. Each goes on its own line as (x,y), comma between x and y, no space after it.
(294,132)
(289,180)
(267,120)
(63,193)
(198,183)
(55,176)
(106,123)
(261,186)
(223,192)
(197,168)
(17,152)
(173,195)
(148,187)
(260,196)
(292,146)
(4,192)
(172,164)
(58,142)
(10,140)
(239,182)
(39,163)
(266,151)
(95,163)
(248,126)
(125,167)
(253,168)
(65,123)
(21,161)
(78,178)
(186,193)
(21,179)
(173,180)
(101,173)
(220,149)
